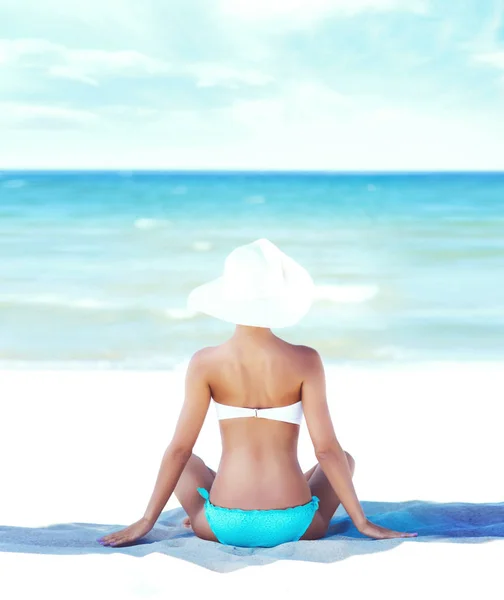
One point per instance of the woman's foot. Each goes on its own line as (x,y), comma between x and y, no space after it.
(186,522)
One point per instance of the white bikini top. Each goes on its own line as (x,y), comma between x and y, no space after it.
(292,413)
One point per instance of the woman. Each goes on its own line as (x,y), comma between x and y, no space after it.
(261,386)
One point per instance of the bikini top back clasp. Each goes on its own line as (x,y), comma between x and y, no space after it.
(292,413)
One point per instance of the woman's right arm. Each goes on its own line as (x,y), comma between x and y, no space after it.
(329,453)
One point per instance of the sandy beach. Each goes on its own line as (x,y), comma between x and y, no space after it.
(83,448)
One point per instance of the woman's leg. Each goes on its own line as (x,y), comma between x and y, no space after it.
(309,473)
(329,501)
(195,474)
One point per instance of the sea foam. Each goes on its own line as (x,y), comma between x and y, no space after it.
(143,223)
(14,183)
(202,246)
(180,314)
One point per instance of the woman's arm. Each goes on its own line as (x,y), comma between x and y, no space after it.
(189,424)
(172,465)
(329,453)
(327,448)
(178,452)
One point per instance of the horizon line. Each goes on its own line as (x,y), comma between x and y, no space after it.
(126,171)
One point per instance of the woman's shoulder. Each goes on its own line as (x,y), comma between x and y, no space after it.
(201,360)
(307,352)
(304,356)
(309,361)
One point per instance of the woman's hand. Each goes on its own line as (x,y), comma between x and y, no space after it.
(382,533)
(125,536)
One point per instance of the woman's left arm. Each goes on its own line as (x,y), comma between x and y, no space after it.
(178,452)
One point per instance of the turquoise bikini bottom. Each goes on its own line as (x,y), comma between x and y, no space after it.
(258,527)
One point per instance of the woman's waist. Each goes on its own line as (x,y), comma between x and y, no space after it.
(246,486)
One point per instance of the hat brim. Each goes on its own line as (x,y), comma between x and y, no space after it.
(282,310)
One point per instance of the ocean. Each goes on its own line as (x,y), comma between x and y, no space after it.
(95,267)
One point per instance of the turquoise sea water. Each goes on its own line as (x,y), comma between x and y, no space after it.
(95,267)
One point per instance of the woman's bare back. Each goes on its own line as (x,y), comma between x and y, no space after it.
(259,466)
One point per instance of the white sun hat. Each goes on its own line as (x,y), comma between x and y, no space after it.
(261,287)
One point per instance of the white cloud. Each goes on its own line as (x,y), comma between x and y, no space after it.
(90,65)
(129,115)
(126,17)
(313,95)
(85,62)
(494,59)
(258,114)
(119,62)
(52,117)
(302,10)
(209,75)
(306,102)
(65,72)
(12,52)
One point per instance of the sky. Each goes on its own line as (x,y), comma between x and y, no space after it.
(340,85)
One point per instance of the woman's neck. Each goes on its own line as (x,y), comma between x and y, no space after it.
(244,333)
